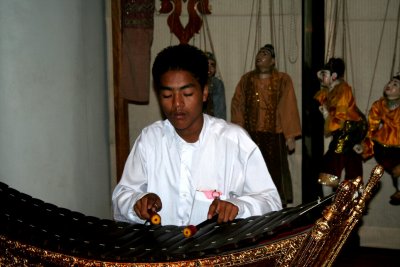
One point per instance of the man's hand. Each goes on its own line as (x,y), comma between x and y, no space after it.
(226,211)
(148,203)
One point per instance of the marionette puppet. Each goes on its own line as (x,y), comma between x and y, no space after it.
(264,103)
(383,137)
(216,103)
(344,123)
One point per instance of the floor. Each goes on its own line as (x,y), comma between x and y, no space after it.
(368,257)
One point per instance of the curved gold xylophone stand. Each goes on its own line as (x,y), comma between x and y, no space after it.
(323,244)
(313,245)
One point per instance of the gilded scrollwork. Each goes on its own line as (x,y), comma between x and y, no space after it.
(316,245)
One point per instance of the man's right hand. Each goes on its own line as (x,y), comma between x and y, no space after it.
(148,203)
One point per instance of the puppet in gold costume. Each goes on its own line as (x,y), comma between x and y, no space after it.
(265,104)
(383,137)
(343,122)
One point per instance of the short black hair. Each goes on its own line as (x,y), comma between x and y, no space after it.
(181,57)
(335,65)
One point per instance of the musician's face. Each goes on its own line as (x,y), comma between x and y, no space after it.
(181,99)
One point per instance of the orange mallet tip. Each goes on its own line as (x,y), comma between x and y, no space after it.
(189,231)
(155,218)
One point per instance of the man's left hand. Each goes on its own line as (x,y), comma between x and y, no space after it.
(226,211)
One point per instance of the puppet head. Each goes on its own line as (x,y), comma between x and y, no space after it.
(270,49)
(331,72)
(265,59)
(212,64)
(392,88)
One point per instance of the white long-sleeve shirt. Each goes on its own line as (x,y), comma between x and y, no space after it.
(182,174)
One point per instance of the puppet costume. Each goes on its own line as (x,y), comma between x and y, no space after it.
(267,109)
(383,139)
(215,104)
(347,126)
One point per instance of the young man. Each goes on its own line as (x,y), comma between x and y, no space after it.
(344,122)
(265,104)
(191,166)
(383,137)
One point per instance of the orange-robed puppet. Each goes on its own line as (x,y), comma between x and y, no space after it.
(343,121)
(383,137)
(265,105)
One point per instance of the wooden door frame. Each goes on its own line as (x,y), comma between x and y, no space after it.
(122,145)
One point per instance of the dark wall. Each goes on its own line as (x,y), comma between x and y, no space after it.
(312,121)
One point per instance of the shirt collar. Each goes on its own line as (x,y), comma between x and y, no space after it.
(172,135)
